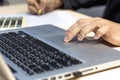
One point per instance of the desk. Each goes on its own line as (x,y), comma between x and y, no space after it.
(112,74)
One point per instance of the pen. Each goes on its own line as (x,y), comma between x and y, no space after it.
(39,10)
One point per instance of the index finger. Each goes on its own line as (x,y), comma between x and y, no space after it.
(76,28)
(33,3)
(72,31)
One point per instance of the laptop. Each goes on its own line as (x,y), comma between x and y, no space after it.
(12,22)
(5,72)
(39,53)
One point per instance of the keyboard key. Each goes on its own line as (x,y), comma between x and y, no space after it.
(19,23)
(46,67)
(55,65)
(38,70)
(7,22)
(13,23)
(1,22)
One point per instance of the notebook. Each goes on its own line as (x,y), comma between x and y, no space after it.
(39,53)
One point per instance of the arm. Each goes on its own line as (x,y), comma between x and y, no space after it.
(74,4)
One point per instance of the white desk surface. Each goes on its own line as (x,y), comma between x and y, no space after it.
(112,74)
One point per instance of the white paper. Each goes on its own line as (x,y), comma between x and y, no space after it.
(58,18)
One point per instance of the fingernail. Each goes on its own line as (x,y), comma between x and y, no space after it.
(66,39)
(80,38)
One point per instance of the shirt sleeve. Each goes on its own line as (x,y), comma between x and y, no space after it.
(4,2)
(75,4)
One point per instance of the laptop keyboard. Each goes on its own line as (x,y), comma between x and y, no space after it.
(33,55)
(11,22)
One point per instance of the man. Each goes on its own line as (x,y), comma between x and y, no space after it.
(105,28)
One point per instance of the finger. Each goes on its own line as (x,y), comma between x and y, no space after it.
(32,9)
(92,24)
(48,9)
(89,27)
(76,28)
(51,6)
(73,31)
(43,5)
(82,22)
(101,32)
(33,3)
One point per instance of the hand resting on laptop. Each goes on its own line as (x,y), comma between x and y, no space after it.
(108,30)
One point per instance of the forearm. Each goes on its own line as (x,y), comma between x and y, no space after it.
(75,4)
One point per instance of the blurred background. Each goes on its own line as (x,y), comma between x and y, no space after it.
(96,11)
(16,1)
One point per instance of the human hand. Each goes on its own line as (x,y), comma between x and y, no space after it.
(108,30)
(35,6)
